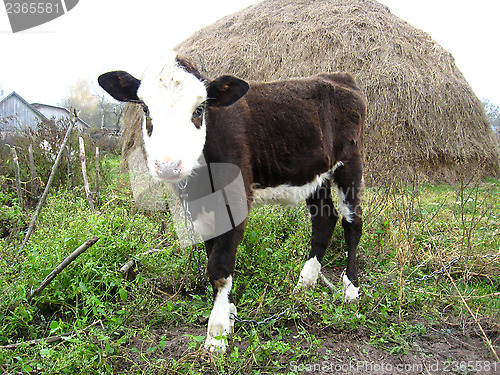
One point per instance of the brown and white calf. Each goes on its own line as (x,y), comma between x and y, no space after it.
(292,140)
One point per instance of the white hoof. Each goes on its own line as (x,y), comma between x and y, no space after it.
(216,345)
(219,333)
(221,320)
(349,291)
(308,275)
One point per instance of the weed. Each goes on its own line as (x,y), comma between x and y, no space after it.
(157,323)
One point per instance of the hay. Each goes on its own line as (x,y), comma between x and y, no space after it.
(424,119)
(131,133)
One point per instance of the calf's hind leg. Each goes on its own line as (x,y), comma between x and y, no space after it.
(349,192)
(323,218)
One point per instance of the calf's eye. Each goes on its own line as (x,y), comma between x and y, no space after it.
(198,111)
(197,117)
(149,126)
(145,109)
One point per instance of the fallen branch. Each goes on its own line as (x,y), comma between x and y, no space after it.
(49,339)
(41,202)
(127,269)
(484,296)
(63,265)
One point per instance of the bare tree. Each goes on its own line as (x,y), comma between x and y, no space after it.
(493,112)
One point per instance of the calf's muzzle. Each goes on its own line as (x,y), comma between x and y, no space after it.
(169,170)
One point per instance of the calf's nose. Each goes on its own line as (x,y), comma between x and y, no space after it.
(169,170)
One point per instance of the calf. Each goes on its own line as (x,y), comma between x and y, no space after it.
(291,140)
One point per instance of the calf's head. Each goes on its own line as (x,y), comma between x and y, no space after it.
(175,98)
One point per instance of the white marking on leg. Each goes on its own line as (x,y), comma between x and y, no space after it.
(221,322)
(232,314)
(308,275)
(345,209)
(349,291)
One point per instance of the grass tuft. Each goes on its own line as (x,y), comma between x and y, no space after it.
(156,323)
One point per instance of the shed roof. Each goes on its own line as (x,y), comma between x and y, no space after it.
(33,108)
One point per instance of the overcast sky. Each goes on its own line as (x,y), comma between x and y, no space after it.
(101,35)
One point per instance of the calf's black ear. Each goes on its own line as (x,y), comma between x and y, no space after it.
(225,90)
(120,85)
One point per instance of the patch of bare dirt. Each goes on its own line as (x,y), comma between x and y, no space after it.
(442,349)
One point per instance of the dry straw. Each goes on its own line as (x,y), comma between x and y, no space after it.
(424,119)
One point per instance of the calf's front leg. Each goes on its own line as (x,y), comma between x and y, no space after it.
(221,321)
(220,267)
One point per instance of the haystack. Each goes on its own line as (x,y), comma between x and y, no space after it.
(424,119)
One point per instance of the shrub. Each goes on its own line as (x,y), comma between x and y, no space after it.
(45,141)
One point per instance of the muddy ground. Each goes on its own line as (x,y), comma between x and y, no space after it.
(447,348)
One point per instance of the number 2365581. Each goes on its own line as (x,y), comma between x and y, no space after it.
(33,8)
(461,366)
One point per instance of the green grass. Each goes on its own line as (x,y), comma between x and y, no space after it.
(156,323)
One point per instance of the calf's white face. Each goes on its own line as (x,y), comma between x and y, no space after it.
(174,98)
(173,125)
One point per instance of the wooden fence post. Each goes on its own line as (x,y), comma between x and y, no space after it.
(19,191)
(97,187)
(35,183)
(84,173)
(34,176)
(70,182)
(41,202)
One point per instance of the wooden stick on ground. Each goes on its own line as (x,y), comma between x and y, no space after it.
(127,269)
(84,173)
(49,339)
(63,265)
(41,202)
